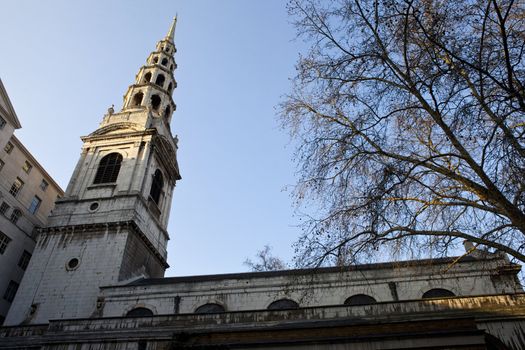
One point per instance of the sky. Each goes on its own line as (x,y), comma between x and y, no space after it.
(64,63)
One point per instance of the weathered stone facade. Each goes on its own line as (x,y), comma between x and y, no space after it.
(96,278)
(23,211)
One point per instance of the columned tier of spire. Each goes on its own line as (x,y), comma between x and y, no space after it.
(155,82)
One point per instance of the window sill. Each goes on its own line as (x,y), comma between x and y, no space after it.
(104,185)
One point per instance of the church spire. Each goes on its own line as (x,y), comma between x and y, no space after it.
(155,81)
(171,32)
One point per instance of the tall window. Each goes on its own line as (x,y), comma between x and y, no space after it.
(2,123)
(15,215)
(1,164)
(27,167)
(35,204)
(4,207)
(108,168)
(10,292)
(24,260)
(43,185)
(156,187)
(4,241)
(16,187)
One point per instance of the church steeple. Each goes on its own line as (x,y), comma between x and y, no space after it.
(155,81)
(111,224)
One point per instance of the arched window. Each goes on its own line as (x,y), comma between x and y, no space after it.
(108,168)
(15,215)
(171,66)
(210,308)
(139,312)
(137,99)
(164,61)
(155,59)
(283,304)
(360,299)
(156,187)
(160,80)
(147,77)
(438,293)
(170,86)
(167,112)
(155,102)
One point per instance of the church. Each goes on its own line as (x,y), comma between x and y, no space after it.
(95,280)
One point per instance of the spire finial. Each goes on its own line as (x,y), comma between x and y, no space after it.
(171,32)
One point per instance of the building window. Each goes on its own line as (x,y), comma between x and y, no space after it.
(137,99)
(156,187)
(1,164)
(15,215)
(210,308)
(4,241)
(27,167)
(108,168)
(438,293)
(35,204)
(9,147)
(2,123)
(16,187)
(155,102)
(24,260)
(10,292)
(360,299)
(4,207)
(139,312)
(283,304)
(43,185)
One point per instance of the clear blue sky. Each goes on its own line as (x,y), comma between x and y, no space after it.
(65,62)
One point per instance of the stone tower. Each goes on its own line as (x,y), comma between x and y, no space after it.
(110,226)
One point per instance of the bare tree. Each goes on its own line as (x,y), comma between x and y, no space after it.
(265,261)
(409,117)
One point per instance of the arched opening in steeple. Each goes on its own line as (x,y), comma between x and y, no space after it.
(167,112)
(108,168)
(160,80)
(156,187)
(147,77)
(171,66)
(155,102)
(170,86)
(164,61)
(155,59)
(137,99)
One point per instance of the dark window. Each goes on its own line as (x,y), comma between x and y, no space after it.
(2,124)
(210,308)
(139,312)
(160,80)
(15,215)
(43,185)
(167,112)
(147,77)
(283,304)
(9,147)
(108,168)
(360,299)
(156,187)
(137,99)
(4,241)
(155,59)
(2,163)
(24,260)
(437,293)
(164,61)
(155,102)
(10,292)
(16,187)
(4,207)
(35,204)
(170,86)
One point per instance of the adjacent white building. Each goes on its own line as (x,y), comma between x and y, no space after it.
(27,196)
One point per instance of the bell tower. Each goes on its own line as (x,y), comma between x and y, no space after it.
(110,226)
